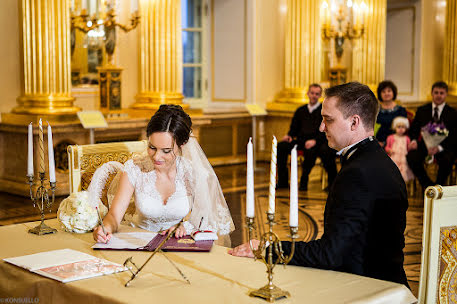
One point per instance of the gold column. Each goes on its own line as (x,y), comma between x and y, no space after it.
(368,56)
(46,62)
(302,53)
(160,78)
(450,47)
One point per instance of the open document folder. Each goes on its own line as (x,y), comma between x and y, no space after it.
(66,265)
(149,241)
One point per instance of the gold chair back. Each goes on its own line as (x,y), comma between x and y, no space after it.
(83,160)
(438,276)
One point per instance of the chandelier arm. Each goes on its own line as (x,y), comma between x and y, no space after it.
(127,28)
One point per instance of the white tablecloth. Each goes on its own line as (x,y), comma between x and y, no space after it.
(216,277)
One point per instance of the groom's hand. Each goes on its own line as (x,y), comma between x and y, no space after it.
(244,250)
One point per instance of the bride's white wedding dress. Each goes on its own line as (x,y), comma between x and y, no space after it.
(197,190)
(152,212)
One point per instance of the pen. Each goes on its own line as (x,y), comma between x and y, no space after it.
(201,221)
(100,219)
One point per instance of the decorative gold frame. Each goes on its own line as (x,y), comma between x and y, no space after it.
(85,159)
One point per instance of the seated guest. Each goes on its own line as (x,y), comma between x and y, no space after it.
(172,181)
(445,154)
(365,213)
(304,132)
(387,93)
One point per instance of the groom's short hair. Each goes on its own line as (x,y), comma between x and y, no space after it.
(356,98)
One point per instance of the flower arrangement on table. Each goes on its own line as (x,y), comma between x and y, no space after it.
(433,134)
(77,215)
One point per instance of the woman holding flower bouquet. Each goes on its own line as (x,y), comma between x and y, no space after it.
(433,134)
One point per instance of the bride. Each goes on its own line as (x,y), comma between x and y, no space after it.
(172,181)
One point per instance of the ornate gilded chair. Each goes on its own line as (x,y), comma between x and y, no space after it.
(438,276)
(85,159)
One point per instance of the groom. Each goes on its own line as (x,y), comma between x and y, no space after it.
(365,213)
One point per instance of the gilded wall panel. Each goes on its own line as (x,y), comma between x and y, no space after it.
(450,47)
(368,56)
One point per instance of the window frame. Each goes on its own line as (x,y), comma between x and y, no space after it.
(199,101)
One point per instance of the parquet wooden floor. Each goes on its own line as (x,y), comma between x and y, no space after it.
(16,209)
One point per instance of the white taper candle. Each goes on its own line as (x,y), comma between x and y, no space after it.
(134,6)
(52,166)
(271,198)
(250,180)
(293,212)
(41,146)
(30,151)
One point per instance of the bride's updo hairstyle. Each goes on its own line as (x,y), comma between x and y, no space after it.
(172,119)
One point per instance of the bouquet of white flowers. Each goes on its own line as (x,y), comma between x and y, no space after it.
(76,214)
(433,134)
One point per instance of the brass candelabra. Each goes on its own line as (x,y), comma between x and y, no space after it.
(110,25)
(79,22)
(42,201)
(270,292)
(346,27)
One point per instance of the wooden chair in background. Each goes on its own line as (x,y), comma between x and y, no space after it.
(323,173)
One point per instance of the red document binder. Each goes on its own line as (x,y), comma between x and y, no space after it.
(185,243)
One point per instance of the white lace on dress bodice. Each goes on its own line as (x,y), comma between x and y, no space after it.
(151,211)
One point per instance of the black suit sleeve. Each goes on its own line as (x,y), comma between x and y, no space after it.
(449,118)
(416,125)
(295,124)
(345,220)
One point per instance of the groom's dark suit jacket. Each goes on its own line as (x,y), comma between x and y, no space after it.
(364,219)
(448,117)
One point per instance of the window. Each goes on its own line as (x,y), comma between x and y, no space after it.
(193,34)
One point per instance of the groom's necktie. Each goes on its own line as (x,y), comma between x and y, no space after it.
(435,115)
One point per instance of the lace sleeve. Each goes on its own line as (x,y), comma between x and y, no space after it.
(132,171)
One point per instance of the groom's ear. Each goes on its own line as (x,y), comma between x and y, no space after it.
(356,122)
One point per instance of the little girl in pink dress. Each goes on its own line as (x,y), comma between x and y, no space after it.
(397,146)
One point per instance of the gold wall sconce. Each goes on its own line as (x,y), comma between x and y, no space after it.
(342,20)
(109,74)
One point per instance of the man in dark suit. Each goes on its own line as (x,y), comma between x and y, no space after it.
(445,154)
(365,213)
(304,132)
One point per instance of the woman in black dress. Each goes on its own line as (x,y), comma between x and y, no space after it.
(387,93)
